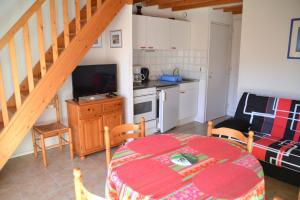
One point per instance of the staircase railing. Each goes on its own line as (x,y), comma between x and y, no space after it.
(9,107)
(31,96)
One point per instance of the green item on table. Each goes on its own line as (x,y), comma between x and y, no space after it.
(184,159)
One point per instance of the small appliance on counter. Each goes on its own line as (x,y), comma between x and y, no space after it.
(145,72)
(138,77)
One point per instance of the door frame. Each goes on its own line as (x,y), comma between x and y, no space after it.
(227,64)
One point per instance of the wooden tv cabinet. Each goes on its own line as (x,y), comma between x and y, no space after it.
(87,120)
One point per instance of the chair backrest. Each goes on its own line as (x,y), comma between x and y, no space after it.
(81,193)
(55,103)
(120,134)
(248,141)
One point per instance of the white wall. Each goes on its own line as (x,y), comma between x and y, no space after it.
(123,57)
(234,64)
(201,20)
(264,67)
(10,13)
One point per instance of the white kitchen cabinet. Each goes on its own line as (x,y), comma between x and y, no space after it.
(180,34)
(158,33)
(139,29)
(188,100)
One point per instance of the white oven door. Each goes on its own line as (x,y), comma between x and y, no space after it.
(144,106)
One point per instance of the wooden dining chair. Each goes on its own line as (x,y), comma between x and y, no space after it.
(121,134)
(55,129)
(81,193)
(243,141)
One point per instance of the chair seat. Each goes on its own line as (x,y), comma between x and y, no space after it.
(50,129)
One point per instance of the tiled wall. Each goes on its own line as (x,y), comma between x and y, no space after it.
(191,63)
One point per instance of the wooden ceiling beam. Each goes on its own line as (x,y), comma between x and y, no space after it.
(137,1)
(205,4)
(182,3)
(157,2)
(236,9)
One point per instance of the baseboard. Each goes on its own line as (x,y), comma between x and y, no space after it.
(31,151)
(185,121)
(24,153)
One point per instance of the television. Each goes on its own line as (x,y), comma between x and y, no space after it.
(90,80)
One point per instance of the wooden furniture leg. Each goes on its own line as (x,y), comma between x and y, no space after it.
(34,144)
(82,157)
(71,144)
(60,135)
(44,151)
(209,128)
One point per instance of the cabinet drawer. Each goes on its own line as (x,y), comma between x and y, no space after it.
(90,111)
(114,106)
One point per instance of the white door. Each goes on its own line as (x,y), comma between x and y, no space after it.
(219,51)
(232,98)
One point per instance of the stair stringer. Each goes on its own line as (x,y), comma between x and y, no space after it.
(22,121)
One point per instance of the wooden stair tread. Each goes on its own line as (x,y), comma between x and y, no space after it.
(11,111)
(12,102)
(25,88)
(1,126)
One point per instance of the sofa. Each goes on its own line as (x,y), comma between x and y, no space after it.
(276,126)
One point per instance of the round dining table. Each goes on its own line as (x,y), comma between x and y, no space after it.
(183,166)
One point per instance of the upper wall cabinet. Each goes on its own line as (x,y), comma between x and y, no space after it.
(180,34)
(160,33)
(139,31)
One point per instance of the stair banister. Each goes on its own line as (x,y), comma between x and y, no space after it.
(28,57)
(53,29)
(66,24)
(3,100)
(20,23)
(18,113)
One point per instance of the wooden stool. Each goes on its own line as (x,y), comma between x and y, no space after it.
(41,132)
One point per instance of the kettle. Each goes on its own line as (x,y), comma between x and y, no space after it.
(145,72)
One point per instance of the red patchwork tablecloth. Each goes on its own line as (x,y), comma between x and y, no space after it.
(143,169)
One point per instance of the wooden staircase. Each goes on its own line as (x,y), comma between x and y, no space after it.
(32,95)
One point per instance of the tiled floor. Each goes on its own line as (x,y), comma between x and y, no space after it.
(24,178)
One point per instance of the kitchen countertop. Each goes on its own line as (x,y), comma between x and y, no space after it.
(158,83)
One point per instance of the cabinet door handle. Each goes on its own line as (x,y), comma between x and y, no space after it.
(173,47)
(150,47)
(182,92)
(142,47)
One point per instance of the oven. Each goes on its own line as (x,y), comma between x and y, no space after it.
(144,104)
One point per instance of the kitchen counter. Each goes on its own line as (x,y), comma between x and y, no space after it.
(158,83)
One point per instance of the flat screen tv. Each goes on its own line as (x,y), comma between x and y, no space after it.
(90,80)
